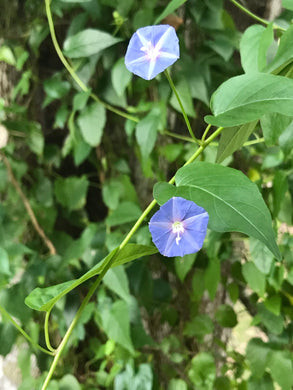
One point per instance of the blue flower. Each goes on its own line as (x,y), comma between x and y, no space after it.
(151,50)
(179,227)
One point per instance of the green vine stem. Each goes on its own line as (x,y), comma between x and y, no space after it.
(111,260)
(72,72)
(8,316)
(167,74)
(261,20)
(46,331)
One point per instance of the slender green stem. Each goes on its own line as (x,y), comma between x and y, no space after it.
(69,68)
(181,106)
(254,141)
(179,136)
(205,133)
(46,331)
(112,259)
(75,320)
(261,20)
(8,316)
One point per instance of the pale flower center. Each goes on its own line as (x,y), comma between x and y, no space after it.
(178,229)
(151,52)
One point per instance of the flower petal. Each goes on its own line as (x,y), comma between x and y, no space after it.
(194,220)
(151,50)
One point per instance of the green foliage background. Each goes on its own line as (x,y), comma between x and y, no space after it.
(84,161)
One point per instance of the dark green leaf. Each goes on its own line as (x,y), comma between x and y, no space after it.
(91,122)
(116,324)
(212,277)
(226,317)
(199,326)
(264,383)
(280,186)
(170,8)
(232,139)
(231,199)
(256,95)
(257,352)
(146,133)
(43,299)
(274,323)
(88,42)
(71,192)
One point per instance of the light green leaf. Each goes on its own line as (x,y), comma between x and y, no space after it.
(88,42)
(233,138)
(273,125)
(6,55)
(253,47)
(171,7)
(288,4)
(116,324)
(125,212)
(120,77)
(257,355)
(286,139)
(246,98)
(255,279)
(91,121)
(184,93)
(260,255)
(203,371)
(280,364)
(116,280)
(146,133)
(43,299)
(177,384)
(183,265)
(233,202)
(273,304)
(71,192)
(284,54)
(4,262)
(69,382)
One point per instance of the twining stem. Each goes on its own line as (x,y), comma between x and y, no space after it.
(261,20)
(27,206)
(205,133)
(78,81)
(181,106)
(179,136)
(46,331)
(8,316)
(111,261)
